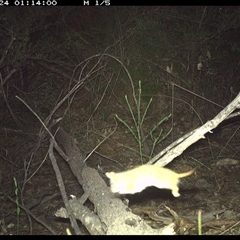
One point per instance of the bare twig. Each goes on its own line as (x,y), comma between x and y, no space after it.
(100,143)
(8,106)
(7,49)
(33,216)
(58,173)
(62,188)
(193,136)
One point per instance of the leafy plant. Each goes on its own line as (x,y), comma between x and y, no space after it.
(138,120)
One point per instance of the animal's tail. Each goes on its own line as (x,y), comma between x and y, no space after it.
(181,175)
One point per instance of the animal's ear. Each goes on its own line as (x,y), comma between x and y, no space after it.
(110,174)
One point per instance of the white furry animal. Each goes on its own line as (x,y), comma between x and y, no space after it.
(139,178)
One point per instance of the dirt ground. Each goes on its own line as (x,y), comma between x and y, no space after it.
(210,195)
